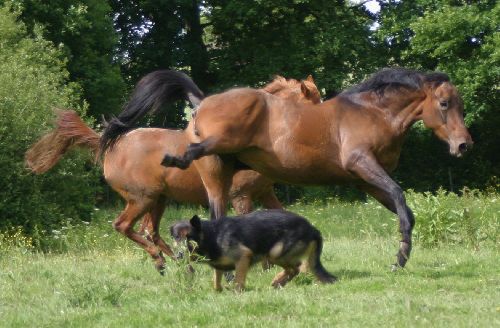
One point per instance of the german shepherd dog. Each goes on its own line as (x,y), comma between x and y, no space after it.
(235,243)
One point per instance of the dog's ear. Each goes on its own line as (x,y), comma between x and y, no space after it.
(195,222)
(180,230)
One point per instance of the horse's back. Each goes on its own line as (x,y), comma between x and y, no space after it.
(132,166)
(235,114)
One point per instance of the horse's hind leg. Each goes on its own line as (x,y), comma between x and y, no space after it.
(155,215)
(146,227)
(269,200)
(193,152)
(124,224)
(242,204)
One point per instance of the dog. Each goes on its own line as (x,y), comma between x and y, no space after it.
(236,243)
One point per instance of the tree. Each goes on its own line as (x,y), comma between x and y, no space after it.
(253,40)
(460,38)
(33,80)
(84,30)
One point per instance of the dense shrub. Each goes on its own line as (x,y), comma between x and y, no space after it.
(32,82)
(445,217)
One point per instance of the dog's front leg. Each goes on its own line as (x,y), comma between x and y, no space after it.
(242,266)
(217,280)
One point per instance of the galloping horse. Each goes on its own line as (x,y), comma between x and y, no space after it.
(132,167)
(355,137)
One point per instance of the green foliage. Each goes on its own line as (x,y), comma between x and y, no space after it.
(452,219)
(462,39)
(83,30)
(253,40)
(33,81)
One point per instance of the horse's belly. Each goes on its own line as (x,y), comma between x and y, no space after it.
(296,166)
(185,186)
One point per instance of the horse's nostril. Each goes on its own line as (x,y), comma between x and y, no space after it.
(463,147)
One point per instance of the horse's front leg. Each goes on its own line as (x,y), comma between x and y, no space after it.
(380,185)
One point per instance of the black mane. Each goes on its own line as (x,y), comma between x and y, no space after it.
(397,78)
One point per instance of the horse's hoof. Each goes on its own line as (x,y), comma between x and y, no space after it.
(161,268)
(395,267)
(401,260)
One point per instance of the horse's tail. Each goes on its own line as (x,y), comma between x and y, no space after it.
(150,94)
(70,131)
(315,262)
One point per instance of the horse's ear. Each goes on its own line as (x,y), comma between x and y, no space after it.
(195,222)
(310,79)
(304,89)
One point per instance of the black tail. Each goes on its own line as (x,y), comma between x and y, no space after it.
(315,263)
(151,93)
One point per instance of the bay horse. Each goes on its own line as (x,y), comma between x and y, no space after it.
(355,137)
(132,167)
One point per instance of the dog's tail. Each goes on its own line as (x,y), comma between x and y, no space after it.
(70,131)
(315,262)
(152,92)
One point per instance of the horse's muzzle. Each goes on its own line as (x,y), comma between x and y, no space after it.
(458,149)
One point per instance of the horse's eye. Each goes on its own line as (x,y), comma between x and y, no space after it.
(443,104)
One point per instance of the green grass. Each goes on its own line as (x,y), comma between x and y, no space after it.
(89,276)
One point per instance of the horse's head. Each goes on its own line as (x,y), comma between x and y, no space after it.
(443,112)
(304,91)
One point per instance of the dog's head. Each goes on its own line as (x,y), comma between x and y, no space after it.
(180,230)
(188,230)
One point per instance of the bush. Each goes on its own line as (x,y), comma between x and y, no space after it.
(32,82)
(446,217)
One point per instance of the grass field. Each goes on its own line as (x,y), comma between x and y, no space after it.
(89,276)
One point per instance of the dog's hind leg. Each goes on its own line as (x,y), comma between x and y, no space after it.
(282,278)
(241,269)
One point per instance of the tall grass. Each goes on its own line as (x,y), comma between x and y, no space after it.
(471,219)
(86,274)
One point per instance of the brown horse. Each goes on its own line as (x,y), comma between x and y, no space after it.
(132,168)
(355,137)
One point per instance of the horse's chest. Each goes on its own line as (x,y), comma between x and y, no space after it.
(388,156)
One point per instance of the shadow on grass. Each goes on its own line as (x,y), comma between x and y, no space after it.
(342,275)
(444,270)
(352,274)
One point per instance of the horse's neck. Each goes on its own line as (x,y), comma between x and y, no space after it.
(404,109)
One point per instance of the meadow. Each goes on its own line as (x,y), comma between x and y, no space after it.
(87,275)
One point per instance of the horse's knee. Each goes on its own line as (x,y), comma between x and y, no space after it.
(242,204)
(121,226)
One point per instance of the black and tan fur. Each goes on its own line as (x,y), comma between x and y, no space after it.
(235,243)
